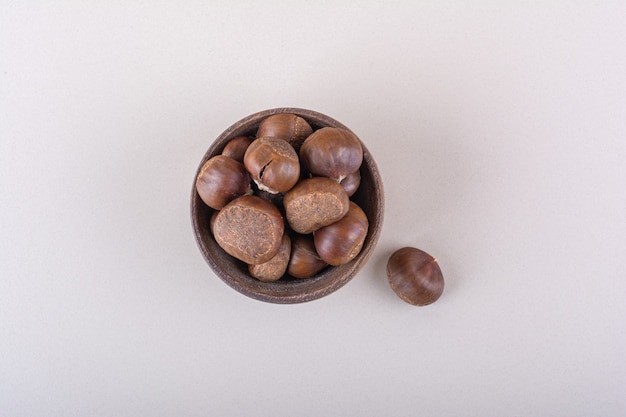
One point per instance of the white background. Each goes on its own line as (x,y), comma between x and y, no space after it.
(500,132)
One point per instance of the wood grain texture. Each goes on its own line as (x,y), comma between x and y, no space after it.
(370,197)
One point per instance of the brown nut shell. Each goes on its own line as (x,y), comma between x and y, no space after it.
(332,152)
(273,164)
(236,148)
(342,241)
(351,182)
(250,229)
(222,179)
(314,203)
(304,261)
(294,129)
(415,276)
(275,268)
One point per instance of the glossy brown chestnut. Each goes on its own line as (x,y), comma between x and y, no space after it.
(294,129)
(304,261)
(314,203)
(332,152)
(275,268)
(236,148)
(250,229)
(415,276)
(351,182)
(221,180)
(273,164)
(342,241)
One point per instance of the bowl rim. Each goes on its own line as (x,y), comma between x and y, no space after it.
(297,291)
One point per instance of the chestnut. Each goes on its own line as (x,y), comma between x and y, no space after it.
(342,241)
(304,261)
(314,203)
(222,179)
(415,276)
(276,267)
(250,229)
(351,182)
(236,148)
(290,127)
(273,164)
(332,152)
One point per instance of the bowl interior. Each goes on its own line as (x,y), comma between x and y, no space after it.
(370,197)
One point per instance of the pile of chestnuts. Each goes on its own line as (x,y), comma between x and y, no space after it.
(281,200)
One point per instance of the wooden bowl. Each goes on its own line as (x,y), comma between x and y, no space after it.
(369,197)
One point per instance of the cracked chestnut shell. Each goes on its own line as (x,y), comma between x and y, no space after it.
(341,242)
(314,203)
(250,229)
(220,180)
(287,126)
(332,152)
(273,164)
(415,276)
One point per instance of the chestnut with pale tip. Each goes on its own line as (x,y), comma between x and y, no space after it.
(250,229)
(314,203)
(275,268)
(332,152)
(304,261)
(415,276)
(273,164)
(340,242)
(236,148)
(220,180)
(290,127)
(351,182)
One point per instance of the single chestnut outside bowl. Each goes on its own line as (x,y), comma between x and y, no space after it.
(369,197)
